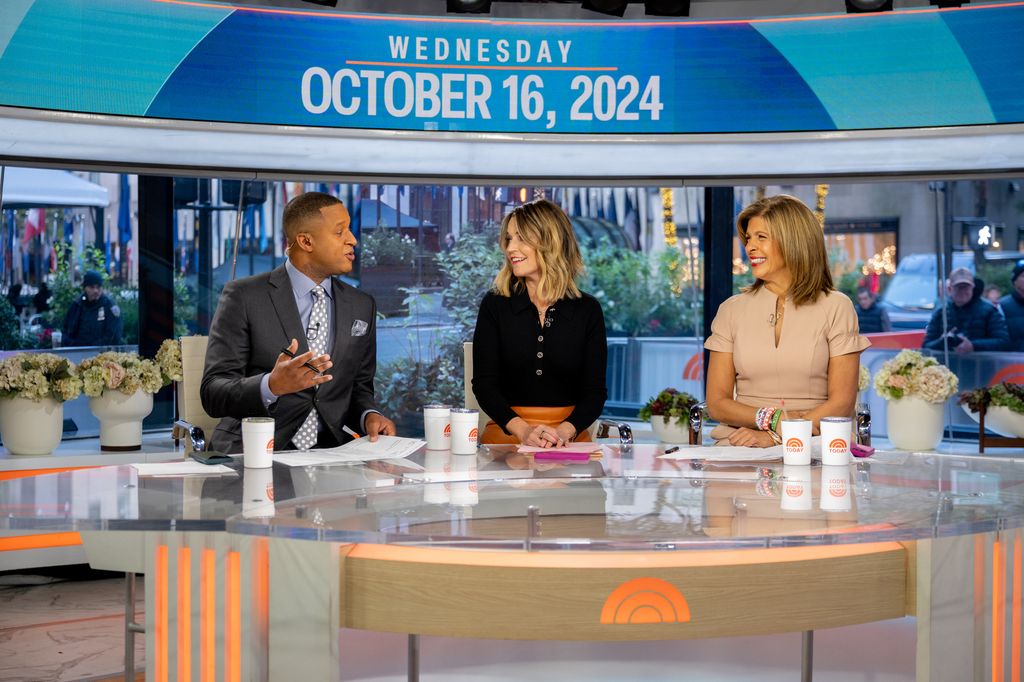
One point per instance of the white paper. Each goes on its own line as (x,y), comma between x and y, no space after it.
(359,450)
(189,467)
(725,453)
(735,453)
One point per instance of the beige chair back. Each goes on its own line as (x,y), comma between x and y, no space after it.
(190,406)
(467,384)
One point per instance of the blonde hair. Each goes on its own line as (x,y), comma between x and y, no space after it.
(545,227)
(800,240)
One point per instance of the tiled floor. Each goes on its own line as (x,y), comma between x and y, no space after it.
(73,631)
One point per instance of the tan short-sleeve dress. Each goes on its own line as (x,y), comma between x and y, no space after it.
(797,370)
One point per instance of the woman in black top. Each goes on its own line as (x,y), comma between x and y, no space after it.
(539,349)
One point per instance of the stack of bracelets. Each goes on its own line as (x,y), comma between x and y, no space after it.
(767,419)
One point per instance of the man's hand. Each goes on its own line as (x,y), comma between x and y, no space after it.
(751,438)
(290,375)
(379,425)
(965,346)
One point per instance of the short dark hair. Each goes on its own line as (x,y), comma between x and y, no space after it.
(864,290)
(302,208)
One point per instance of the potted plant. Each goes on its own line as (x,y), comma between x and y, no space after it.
(669,413)
(120,387)
(1003,405)
(915,387)
(33,389)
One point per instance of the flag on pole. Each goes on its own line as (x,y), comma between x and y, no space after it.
(35,223)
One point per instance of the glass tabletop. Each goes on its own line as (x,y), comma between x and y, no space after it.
(629,498)
(625,503)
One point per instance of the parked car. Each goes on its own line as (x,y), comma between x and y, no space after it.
(913,292)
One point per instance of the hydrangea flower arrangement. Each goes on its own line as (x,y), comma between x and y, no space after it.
(912,374)
(671,405)
(125,372)
(863,379)
(36,376)
(168,357)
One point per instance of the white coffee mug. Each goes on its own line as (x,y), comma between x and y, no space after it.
(258,493)
(437,478)
(464,489)
(796,488)
(835,440)
(437,426)
(835,488)
(258,442)
(796,442)
(464,431)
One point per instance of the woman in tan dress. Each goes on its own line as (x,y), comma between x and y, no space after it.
(789,344)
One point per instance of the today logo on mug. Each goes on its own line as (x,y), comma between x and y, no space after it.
(837,487)
(794,445)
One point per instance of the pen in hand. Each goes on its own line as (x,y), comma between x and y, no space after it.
(305,364)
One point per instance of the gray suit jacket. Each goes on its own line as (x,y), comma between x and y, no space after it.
(255,319)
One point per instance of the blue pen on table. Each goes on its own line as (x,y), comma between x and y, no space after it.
(669,451)
(305,364)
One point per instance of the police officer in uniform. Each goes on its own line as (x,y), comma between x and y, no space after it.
(93,319)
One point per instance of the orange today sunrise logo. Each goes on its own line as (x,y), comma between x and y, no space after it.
(794,490)
(473,434)
(644,601)
(447,430)
(837,487)
(794,445)
(837,446)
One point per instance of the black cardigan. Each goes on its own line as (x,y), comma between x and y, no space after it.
(516,361)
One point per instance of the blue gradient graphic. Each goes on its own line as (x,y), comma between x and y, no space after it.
(219,63)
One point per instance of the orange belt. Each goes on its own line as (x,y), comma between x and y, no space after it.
(535,416)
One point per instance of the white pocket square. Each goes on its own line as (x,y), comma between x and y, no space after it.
(359,328)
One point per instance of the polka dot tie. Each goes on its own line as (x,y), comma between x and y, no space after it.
(316,334)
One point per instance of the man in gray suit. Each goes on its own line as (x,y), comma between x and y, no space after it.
(322,321)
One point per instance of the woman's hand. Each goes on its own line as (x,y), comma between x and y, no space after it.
(751,438)
(538,436)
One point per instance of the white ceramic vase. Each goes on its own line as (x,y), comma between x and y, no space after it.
(121,418)
(914,424)
(670,432)
(31,428)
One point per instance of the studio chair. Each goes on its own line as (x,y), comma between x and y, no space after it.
(192,424)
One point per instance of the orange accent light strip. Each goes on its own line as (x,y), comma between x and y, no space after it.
(647,560)
(485,67)
(25,473)
(603,25)
(41,541)
(998,610)
(233,618)
(160,613)
(207,614)
(1015,612)
(261,577)
(184,614)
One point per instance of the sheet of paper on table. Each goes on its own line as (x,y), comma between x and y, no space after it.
(189,467)
(359,450)
(725,453)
